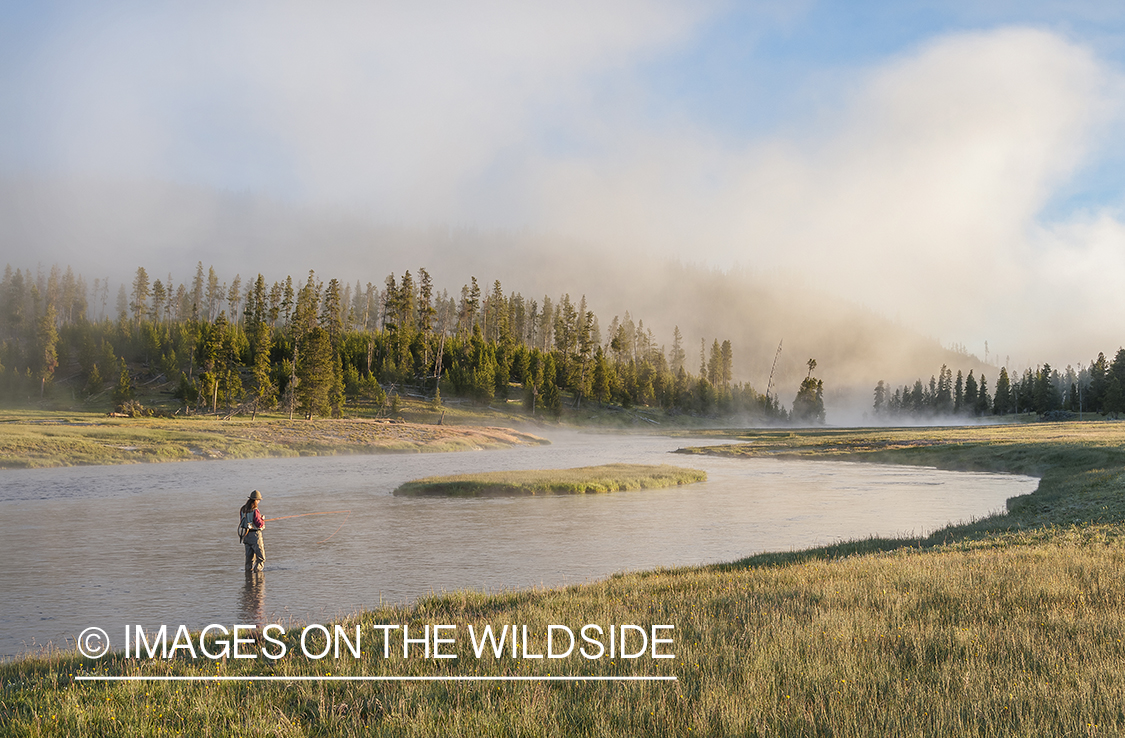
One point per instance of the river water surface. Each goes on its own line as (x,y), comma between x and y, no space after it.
(157,544)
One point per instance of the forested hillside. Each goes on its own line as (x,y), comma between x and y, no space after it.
(314,348)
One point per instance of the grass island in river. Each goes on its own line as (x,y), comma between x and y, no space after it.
(581,480)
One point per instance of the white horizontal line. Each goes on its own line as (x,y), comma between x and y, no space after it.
(313,678)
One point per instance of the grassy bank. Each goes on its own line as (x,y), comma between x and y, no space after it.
(1017,636)
(1081,465)
(71,439)
(1011,626)
(582,480)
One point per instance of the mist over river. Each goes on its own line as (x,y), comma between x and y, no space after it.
(156,544)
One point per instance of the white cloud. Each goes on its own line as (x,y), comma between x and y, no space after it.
(1078,300)
(918,198)
(399,107)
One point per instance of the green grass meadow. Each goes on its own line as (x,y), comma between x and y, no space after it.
(1008,626)
(35,440)
(581,480)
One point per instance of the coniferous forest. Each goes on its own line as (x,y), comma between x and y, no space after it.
(311,348)
(1096,388)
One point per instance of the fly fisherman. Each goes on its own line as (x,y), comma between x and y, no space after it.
(250,532)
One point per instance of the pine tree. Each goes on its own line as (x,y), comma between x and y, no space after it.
(46,339)
(1114,397)
(984,402)
(552,398)
(426,310)
(970,402)
(726,364)
(234,298)
(1002,403)
(124,392)
(122,305)
(1098,383)
(159,295)
(808,405)
(330,314)
(533,381)
(917,398)
(1116,370)
(316,376)
(94,382)
(943,401)
(197,293)
(678,355)
(714,365)
(264,389)
(600,389)
(406,303)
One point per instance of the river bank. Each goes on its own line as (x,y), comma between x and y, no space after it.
(1010,625)
(74,439)
(1081,465)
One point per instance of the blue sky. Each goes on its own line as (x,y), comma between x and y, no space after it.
(855,145)
(735,70)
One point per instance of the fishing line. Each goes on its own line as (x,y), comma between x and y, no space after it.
(341,526)
(303,515)
(286,517)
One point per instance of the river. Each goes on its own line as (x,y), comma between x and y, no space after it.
(156,544)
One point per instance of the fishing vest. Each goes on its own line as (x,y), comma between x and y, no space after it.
(245,524)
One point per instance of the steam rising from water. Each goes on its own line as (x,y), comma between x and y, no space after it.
(511,142)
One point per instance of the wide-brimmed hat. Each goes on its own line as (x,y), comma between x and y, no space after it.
(255,495)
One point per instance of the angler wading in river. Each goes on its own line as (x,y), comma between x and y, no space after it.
(250,527)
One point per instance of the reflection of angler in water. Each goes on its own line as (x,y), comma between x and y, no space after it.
(252,606)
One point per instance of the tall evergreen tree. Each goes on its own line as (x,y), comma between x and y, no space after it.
(46,339)
(124,391)
(808,405)
(214,294)
(159,295)
(234,298)
(678,356)
(880,404)
(970,402)
(984,402)
(197,306)
(331,318)
(426,312)
(1099,368)
(1002,404)
(316,374)
(726,363)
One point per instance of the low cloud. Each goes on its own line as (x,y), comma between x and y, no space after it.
(919,197)
(354,136)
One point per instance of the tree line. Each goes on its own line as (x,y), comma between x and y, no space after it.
(1096,388)
(310,348)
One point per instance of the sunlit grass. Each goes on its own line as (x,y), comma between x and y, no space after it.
(1017,636)
(581,480)
(68,439)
